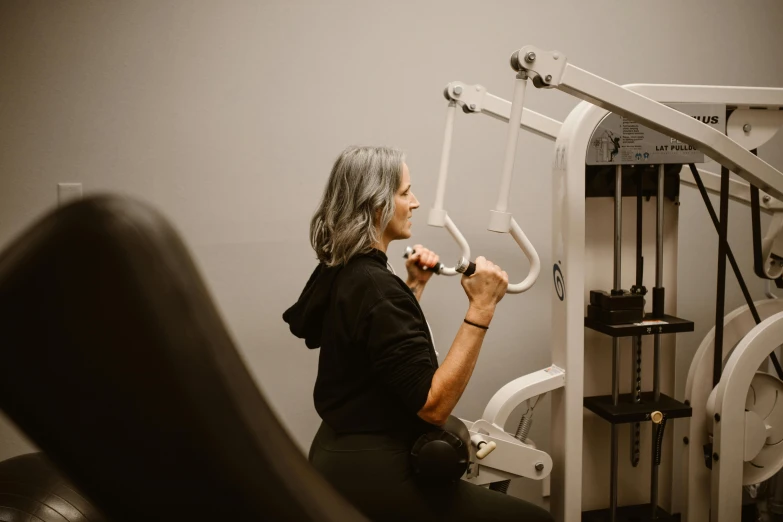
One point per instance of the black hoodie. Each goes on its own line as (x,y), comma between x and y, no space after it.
(377,357)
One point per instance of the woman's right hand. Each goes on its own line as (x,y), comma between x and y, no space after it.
(487,286)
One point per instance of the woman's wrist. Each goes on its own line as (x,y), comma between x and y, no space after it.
(412,281)
(480,316)
(416,286)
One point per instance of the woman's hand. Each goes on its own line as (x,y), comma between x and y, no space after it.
(419,265)
(418,275)
(485,288)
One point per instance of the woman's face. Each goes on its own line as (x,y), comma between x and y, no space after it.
(404,202)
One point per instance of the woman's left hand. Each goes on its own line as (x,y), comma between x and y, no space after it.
(416,263)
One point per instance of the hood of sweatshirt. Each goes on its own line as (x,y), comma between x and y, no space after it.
(306,317)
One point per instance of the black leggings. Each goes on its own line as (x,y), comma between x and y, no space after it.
(373,472)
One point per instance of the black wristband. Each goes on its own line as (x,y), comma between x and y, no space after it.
(476,325)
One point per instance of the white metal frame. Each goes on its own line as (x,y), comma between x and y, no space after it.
(698,387)
(568,247)
(642,103)
(551,69)
(729,432)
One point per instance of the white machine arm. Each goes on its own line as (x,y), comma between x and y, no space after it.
(510,457)
(520,390)
(438,216)
(550,69)
(476,99)
(500,220)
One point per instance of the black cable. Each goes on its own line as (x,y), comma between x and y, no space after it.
(755,217)
(720,298)
(729,253)
(733,262)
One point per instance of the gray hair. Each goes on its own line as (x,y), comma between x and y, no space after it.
(362,183)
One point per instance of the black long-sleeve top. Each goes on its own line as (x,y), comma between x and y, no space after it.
(377,356)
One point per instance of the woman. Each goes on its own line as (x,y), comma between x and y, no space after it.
(379,386)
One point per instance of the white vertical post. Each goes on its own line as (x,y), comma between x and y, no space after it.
(517,105)
(568,306)
(444,155)
(500,219)
(437,217)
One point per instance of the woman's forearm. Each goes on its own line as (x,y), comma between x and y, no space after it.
(451,378)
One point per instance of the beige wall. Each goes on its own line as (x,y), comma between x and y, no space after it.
(227,116)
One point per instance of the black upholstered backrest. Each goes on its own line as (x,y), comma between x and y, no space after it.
(115,361)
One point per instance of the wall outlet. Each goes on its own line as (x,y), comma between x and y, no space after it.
(67,192)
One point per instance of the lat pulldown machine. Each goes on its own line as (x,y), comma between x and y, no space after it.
(601,155)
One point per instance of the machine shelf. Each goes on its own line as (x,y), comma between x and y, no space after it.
(628,411)
(652,325)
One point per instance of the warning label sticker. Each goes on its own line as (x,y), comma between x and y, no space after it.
(620,141)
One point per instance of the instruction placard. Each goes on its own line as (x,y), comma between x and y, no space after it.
(621,141)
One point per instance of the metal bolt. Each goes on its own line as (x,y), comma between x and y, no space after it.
(685,440)
(458,90)
(746,127)
(473,106)
(539,466)
(717,417)
(766,199)
(715,456)
(548,78)
(530,57)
